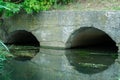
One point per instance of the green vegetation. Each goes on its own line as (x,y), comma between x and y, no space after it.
(3,58)
(4,53)
(8,9)
(11,7)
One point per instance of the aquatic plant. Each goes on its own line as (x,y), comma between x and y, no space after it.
(4,52)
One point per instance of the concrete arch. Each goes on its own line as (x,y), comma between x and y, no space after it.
(90,36)
(53,28)
(22,37)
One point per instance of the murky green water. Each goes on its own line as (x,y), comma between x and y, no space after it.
(55,64)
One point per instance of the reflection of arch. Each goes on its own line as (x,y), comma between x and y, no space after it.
(90,36)
(26,39)
(89,62)
(96,42)
(22,37)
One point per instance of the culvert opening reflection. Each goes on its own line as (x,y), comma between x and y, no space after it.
(90,62)
(23,45)
(24,53)
(91,50)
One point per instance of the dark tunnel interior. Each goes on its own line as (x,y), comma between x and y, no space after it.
(89,37)
(23,38)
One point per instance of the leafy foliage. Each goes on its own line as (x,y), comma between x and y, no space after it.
(10,7)
(37,5)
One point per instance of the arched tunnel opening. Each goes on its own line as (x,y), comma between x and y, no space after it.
(89,37)
(23,44)
(91,50)
(22,37)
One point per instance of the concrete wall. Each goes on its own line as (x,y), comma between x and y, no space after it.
(53,28)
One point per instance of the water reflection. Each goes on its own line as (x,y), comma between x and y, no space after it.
(23,53)
(51,64)
(89,61)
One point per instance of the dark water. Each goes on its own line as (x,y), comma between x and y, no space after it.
(55,64)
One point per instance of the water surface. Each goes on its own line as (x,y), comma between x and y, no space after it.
(56,64)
